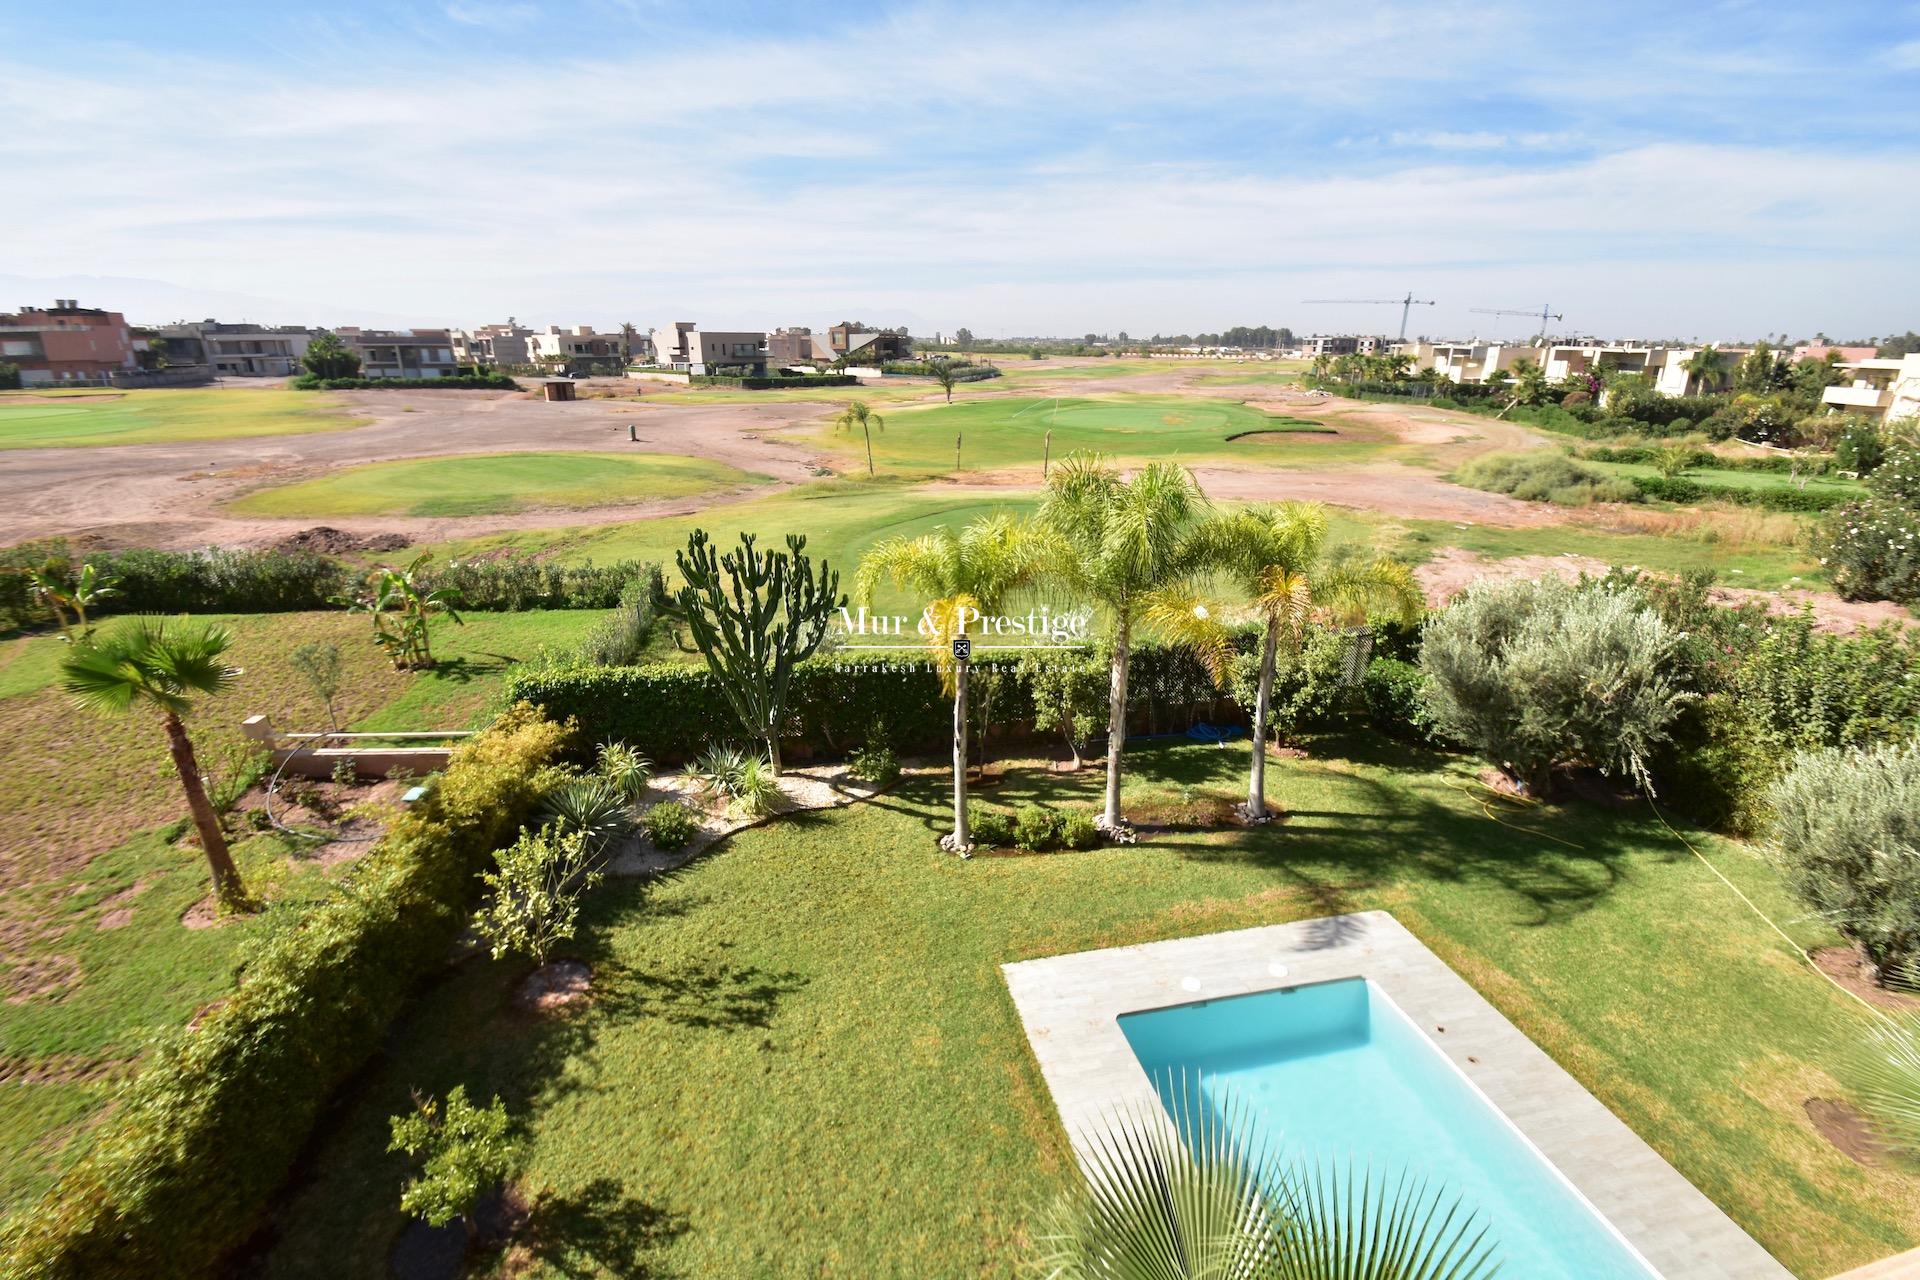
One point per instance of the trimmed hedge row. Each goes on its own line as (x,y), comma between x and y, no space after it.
(183,1170)
(1680,489)
(456,382)
(672,712)
(1645,456)
(773,382)
(214,580)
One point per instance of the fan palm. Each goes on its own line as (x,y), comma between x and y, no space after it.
(160,666)
(1208,1196)
(1276,556)
(965,574)
(860,415)
(943,373)
(1130,546)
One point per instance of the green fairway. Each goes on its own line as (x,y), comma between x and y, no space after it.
(799,1058)
(494,484)
(31,420)
(1012,431)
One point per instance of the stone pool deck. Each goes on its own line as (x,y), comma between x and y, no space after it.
(1070,1006)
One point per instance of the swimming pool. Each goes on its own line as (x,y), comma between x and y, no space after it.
(1339,1073)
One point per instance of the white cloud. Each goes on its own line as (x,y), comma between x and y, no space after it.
(476,14)
(1905,56)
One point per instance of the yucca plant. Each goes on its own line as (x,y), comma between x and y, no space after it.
(738,779)
(717,771)
(596,807)
(1218,1201)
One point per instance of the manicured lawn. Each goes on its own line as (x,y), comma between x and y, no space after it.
(1765,568)
(800,1058)
(1011,431)
(163,415)
(494,484)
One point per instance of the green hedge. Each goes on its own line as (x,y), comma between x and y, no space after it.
(182,1171)
(772,382)
(458,382)
(1679,489)
(671,712)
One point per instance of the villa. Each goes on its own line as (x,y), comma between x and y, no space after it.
(1888,389)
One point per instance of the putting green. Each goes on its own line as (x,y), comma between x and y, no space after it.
(1013,431)
(491,484)
(60,419)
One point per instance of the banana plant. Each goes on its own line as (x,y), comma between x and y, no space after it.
(402,605)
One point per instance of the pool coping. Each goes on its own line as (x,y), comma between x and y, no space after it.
(1070,1006)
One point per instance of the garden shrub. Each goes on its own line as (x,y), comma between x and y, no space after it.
(770,382)
(876,762)
(533,893)
(1871,547)
(1036,827)
(1687,492)
(184,1167)
(1847,834)
(1539,673)
(1860,447)
(670,825)
(1395,696)
(988,826)
(596,807)
(1310,686)
(464,1151)
(514,585)
(1078,830)
(1545,476)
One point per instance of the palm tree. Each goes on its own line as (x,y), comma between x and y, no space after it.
(966,574)
(627,332)
(859,413)
(1276,556)
(160,666)
(1210,1196)
(1703,370)
(944,375)
(49,584)
(1129,545)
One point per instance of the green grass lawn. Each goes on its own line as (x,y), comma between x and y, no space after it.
(1011,431)
(163,415)
(91,802)
(1719,478)
(1766,568)
(493,484)
(800,1058)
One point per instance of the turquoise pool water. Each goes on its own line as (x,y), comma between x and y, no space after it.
(1340,1074)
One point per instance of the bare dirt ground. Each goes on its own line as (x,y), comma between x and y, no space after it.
(1451,571)
(170,495)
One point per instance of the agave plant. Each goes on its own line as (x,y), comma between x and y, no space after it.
(595,807)
(1217,1200)
(627,769)
(739,779)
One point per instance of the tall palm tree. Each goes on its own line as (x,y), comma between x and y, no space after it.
(627,331)
(859,414)
(1703,370)
(1130,546)
(977,569)
(1276,556)
(162,666)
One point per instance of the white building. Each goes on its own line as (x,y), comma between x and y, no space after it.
(1886,388)
(494,344)
(578,346)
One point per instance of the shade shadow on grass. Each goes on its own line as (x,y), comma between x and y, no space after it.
(598,1229)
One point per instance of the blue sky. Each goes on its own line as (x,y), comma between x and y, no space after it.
(1686,170)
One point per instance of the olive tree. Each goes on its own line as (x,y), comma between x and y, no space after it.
(1846,834)
(1539,673)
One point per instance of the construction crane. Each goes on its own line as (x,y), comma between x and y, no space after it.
(1545,313)
(1405,304)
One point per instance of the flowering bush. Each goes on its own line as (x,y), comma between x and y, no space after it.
(1872,547)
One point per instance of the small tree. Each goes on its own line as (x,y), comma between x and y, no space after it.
(1847,836)
(943,373)
(319,663)
(160,667)
(67,595)
(534,890)
(753,616)
(328,357)
(859,414)
(1069,693)
(1537,673)
(464,1151)
(1673,459)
